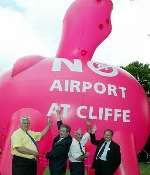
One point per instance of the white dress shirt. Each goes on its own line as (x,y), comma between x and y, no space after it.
(75,150)
(104,154)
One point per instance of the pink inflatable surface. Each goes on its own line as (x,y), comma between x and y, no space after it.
(106,94)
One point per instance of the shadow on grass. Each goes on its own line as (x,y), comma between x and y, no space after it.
(144,168)
(47,173)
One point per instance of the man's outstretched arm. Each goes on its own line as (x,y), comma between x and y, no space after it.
(59,117)
(46,129)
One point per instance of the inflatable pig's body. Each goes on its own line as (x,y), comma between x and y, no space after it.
(107,95)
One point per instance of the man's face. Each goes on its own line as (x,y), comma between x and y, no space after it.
(25,124)
(63,132)
(107,135)
(78,135)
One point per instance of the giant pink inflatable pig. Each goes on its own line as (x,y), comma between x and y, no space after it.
(106,94)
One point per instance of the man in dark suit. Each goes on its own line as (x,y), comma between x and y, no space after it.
(107,157)
(59,153)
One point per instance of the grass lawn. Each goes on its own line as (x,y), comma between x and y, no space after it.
(145,169)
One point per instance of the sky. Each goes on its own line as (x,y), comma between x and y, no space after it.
(29,27)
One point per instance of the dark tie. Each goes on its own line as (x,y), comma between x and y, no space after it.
(81,148)
(32,139)
(101,151)
(58,141)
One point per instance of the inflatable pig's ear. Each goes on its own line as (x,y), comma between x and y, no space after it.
(86,25)
(25,63)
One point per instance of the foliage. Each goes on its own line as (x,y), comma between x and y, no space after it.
(141,72)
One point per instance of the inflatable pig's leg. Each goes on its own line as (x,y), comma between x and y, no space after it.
(6,158)
(5,161)
(42,164)
(91,172)
(129,163)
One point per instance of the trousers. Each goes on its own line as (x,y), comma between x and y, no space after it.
(23,166)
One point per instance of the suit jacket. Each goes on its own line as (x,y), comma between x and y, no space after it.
(113,155)
(59,153)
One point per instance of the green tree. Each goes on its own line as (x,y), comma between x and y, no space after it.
(141,72)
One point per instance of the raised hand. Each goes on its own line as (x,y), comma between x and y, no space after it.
(94,129)
(49,122)
(59,113)
(88,122)
(88,125)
